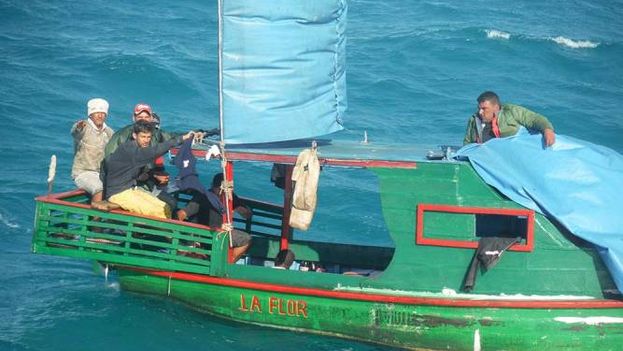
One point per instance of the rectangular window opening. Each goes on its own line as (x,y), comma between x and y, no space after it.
(462,227)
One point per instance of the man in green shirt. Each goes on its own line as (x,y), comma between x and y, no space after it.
(496,120)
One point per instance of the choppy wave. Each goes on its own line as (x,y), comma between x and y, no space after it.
(8,222)
(497,34)
(560,40)
(574,44)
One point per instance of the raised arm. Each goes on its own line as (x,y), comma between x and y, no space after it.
(149,153)
(77,130)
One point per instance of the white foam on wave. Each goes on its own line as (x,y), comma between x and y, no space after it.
(497,34)
(574,44)
(8,222)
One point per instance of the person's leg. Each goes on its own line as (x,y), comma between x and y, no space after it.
(97,197)
(241,241)
(90,182)
(196,204)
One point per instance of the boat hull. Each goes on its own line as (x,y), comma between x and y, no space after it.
(429,324)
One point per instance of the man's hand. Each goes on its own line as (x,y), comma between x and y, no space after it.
(80,124)
(549,137)
(199,137)
(162,179)
(188,135)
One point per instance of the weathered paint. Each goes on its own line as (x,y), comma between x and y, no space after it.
(551,296)
(411,326)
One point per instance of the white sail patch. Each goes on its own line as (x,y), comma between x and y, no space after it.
(590,320)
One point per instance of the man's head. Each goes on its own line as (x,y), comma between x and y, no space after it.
(142,132)
(142,112)
(488,106)
(216,182)
(284,259)
(97,109)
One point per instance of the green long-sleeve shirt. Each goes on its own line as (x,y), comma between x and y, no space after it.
(124,134)
(509,119)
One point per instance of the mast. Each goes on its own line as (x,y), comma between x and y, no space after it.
(220,71)
(226,166)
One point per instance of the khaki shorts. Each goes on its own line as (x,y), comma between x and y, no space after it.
(89,181)
(142,202)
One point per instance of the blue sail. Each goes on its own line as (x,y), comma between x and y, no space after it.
(282,69)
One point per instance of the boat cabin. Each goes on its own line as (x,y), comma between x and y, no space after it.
(415,227)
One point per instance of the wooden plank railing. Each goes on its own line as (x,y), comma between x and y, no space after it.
(68,227)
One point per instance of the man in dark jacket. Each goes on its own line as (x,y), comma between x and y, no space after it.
(154,174)
(123,167)
(153,177)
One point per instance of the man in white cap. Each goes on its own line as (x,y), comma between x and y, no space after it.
(90,138)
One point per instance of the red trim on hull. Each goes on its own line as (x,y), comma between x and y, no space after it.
(406,300)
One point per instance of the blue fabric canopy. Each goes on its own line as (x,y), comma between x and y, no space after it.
(282,69)
(578,183)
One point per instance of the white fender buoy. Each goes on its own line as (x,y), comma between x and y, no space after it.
(305,178)
(51,173)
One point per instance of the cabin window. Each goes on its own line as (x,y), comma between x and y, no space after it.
(348,231)
(457,226)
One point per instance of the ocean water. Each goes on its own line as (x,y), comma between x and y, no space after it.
(414,71)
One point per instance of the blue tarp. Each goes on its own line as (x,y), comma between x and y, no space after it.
(283,69)
(578,183)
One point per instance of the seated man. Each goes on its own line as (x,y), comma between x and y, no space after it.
(284,259)
(90,138)
(153,177)
(208,214)
(122,168)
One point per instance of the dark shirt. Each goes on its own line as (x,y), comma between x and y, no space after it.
(122,167)
(125,134)
(206,213)
(487,132)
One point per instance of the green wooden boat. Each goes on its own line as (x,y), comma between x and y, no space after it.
(550,290)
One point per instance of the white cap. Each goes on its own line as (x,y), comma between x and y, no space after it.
(97,105)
